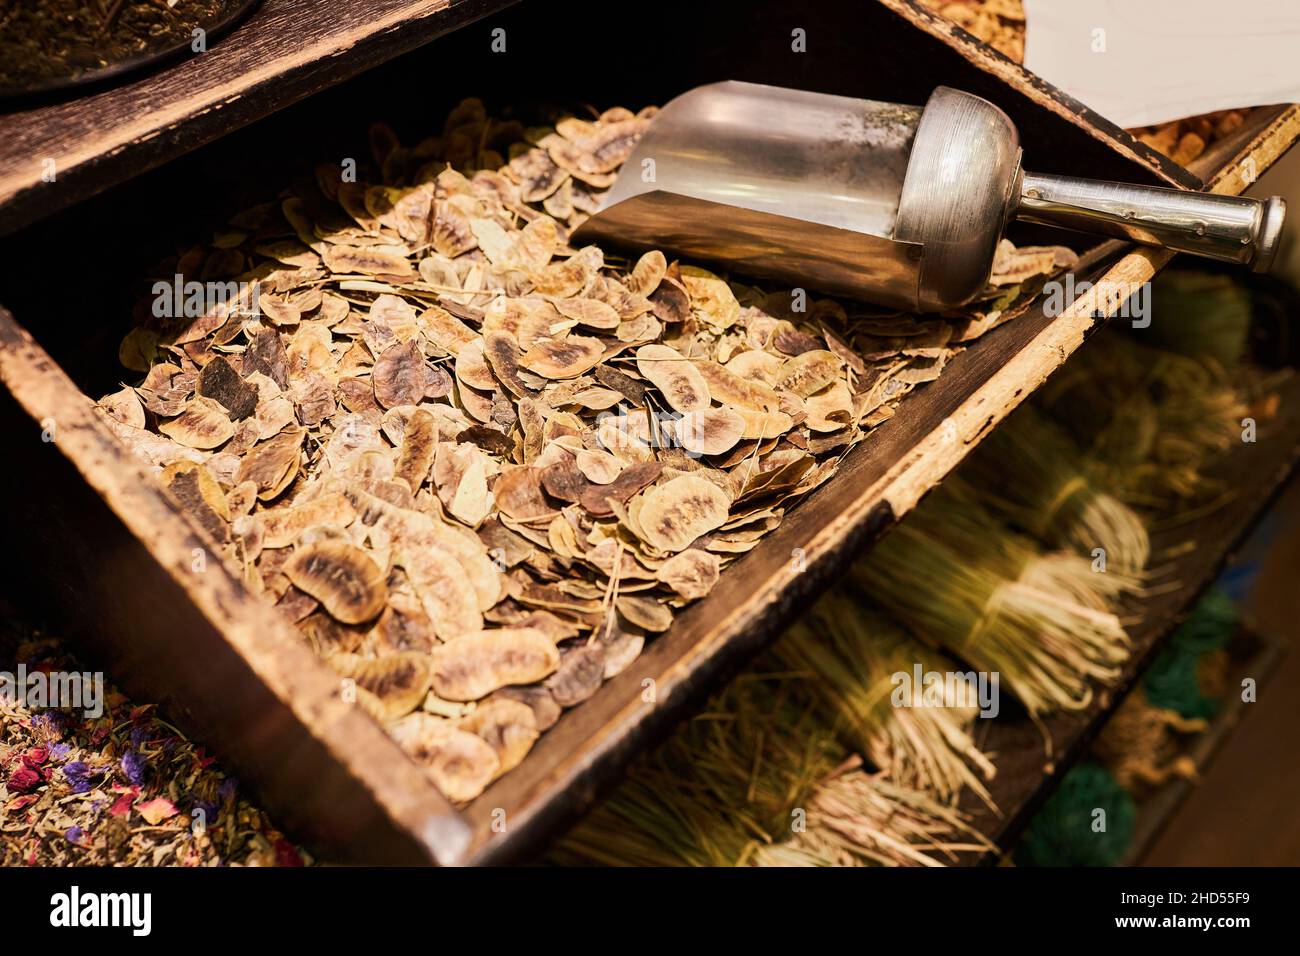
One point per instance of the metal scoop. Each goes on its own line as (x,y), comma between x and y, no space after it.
(893,204)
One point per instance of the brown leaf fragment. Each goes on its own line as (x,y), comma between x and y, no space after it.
(537,175)
(296,604)
(459,763)
(645,613)
(203,424)
(452,235)
(671,301)
(563,358)
(445,330)
(621,652)
(632,479)
(809,372)
(460,476)
(348,584)
(764,425)
(502,355)
(272,463)
(791,341)
(518,492)
(328,636)
(581,671)
(622,383)
(648,272)
(592,313)
(691,573)
(727,387)
(404,626)
(610,146)
(681,384)
(266,354)
(508,726)
(563,480)
(490,440)
(282,526)
(198,493)
(711,431)
(399,375)
(313,398)
(221,383)
(538,699)
(680,510)
(598,467)
(419,445)
(472,666)
(124,406)
(373,262)
(399,680)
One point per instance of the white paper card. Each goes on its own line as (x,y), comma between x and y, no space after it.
(1140,62)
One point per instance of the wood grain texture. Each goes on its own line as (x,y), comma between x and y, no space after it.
(1026,774)
(285,50)
(114,558)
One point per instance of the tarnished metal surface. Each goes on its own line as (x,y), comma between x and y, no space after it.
(878,201)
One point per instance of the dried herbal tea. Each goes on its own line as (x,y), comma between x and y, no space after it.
(480,468)
(46,43)
(108,783)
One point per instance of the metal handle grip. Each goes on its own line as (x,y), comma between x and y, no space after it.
(1230,228)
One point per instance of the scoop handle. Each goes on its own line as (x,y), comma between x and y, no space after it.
(1228,228)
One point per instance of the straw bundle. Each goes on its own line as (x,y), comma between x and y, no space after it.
(759,780)
(1030,474)
(1150,421)
(860,819)
(951,576)
(854,654)
(1202,314)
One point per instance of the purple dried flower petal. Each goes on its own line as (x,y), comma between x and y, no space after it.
(134,767)
(78,775)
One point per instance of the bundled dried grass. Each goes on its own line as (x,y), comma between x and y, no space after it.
(854,653)
(953,577)
(760,780)
(1030,474)
(1150,421)
(860,819)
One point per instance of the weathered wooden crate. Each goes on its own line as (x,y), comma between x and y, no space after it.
(110,558)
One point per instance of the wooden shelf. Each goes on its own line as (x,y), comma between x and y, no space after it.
(1026,776)
(283,51)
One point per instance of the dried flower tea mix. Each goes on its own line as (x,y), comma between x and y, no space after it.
(478,468)
(45,44)
(113,784)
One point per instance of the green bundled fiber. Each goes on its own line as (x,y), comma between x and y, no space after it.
(1064,833)
(854,654)
(953,577)
(1030,474)
(760,780)
(1149,421)
(1202,314)
(1173,681)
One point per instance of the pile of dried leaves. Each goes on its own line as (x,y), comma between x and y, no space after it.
(1001,24)
(44,42)
(477,467)
(123,788)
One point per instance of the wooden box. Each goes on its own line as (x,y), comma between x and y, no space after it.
(110,559)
